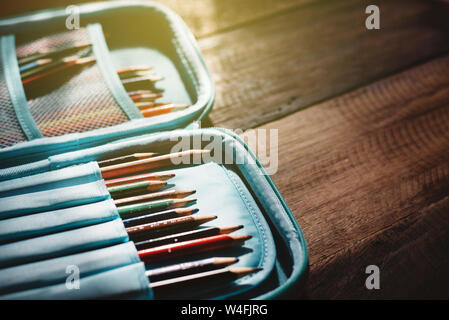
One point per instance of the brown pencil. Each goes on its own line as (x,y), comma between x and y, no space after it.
(127,168)
(127,158)
(139,177)
(153,229)
(171,194)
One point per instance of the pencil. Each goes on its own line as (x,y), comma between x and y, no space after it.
(35,74)
(131,69)
(156,111)
(127,158)
(146,105)
(172,194)
(146,97)
(135,74)
(54,52)
(147,78)
(186,284)
(186,268)
(128,189)
(185,236)
(176,250)
(139,177)
(136,92)
(34,64)
(163,227)
(122,169)
(138,209)
(158,216)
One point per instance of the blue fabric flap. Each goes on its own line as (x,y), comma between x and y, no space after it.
(66,177)
(63,243)
(40,224)
(127,282)
(53,271)
(53,199)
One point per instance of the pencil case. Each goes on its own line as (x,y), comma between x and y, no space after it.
(56,211)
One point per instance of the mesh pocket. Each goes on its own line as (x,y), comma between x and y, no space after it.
(10,130)
(79,103)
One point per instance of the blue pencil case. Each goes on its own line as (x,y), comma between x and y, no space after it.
(56,213)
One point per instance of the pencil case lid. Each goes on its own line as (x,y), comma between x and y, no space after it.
(121,33)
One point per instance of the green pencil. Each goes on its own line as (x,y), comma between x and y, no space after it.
(125,190)
(134,210)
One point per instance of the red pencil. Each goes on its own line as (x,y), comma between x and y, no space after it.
(180,249)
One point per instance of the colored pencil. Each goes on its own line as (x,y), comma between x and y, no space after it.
(139,177)
(147,78)
(159,228)
(127,158)
(48,69)
(189,267)
(132,69)
(134,210)
(146,105)
(176,250)
(167,194)
(185,236)
(156,111)
(135,74)
(122,169)
(136,92)
(50,53)
(187,284)
(158,216)
(146,97)
(34,64)
(125,190)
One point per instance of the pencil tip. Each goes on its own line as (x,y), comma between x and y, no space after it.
(244,271)
(225,260)
(226,230)
(242,238)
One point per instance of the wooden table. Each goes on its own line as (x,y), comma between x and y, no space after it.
(363,120)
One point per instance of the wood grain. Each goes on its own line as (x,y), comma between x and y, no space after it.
(367,176)
(273,67)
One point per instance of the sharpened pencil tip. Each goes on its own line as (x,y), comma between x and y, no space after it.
(243,271)
(225,260)
(226,230)
(242,238)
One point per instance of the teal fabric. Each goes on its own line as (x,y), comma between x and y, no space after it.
(53,199)
(125,282)
(52,271)
(63,243)
(233,204)
(75,175)
(15,88)
(43,223)
(110,76)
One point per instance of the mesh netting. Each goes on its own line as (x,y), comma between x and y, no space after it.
(10,130)
(79,102)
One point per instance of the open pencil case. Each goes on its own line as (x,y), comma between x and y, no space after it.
(55,210)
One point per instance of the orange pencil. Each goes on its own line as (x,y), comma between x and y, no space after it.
(156,111)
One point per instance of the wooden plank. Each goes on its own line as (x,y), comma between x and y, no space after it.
(208,17)
(367,176)
(276,66)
